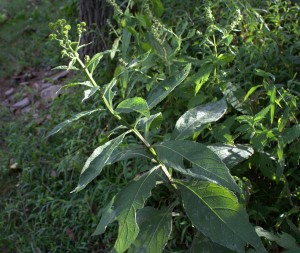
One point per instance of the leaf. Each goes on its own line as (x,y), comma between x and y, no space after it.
(155,229)
(68,121)
(158,8)
(93,63)
(202,76)
(108,93)
(260,72)
(137,104)
(232,155)
(284,240)
(128,201)
(108,216)
(154,121)
(164,88)
(89,93)
(234,95)
(126,36)
(254,88)
(216,213)
(205,164)
(202,244)
(291,134)
(96,162)
(192,120)
(87,83)
(66,68)
(115,47)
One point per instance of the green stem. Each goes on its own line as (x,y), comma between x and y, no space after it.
(118,117)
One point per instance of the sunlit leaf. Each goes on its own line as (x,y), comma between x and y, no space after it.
(68,121)
(204,163)
(96,162)
(193,119)
(216,213)
(127,202)
(164,88)
(155,229)
(137,104)
(89,93)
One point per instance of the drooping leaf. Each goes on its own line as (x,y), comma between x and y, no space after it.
(137,104)
(192,120)
(284,240)
(128,152)
(164,88)
(96,162)
(291,134)
(216,213)
(89,93)
(66,68)
(202,244)
(153,122)
(202,76)
(68,121)
(128,201)
(204,163)
(254,88)
(107,217)
(87,83)
(155,229)
(232,155)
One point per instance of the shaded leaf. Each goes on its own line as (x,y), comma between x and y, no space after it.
(232,155)
(68,121)
(96,162)
(128,201)
(192,120)
(164,88)
(154,121)
(202,76)
(202,244)
(205,164)
(291,134)
(155,229)
(215,212)
(137,104)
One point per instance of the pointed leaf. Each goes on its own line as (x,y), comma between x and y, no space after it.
(108,93)
(193,119)
(155,229)
(137,104)
(68,121)
(205,164)
(164,88)
(108,216)
(90,92)
(202,244)
(202,76)
(215,212)
(96,162)
(153,122)
(232,155)
(66,68)
(127,202)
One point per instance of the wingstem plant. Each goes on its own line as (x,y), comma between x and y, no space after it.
(202,182)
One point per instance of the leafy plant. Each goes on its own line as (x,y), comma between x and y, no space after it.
(197,178)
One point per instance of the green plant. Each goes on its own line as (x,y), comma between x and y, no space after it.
(196,175)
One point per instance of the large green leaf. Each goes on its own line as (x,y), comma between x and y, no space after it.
(216,213)
(155,229)
(128,201)
(232,155)
(202,244)
(205,164)
(164,88)
(96,162)
(137,104)
(68,121)
(193,119)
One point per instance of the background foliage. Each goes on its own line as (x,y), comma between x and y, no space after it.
(247,51)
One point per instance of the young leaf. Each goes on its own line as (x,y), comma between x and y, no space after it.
(164,88)
(232,155)
(137,104)
(108,93)
(193,119)
(96,162)
(155,229)
(90,92)
(215,212)
(154,121)
(94,62)
(205,164)
(68,121)
(127,202)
